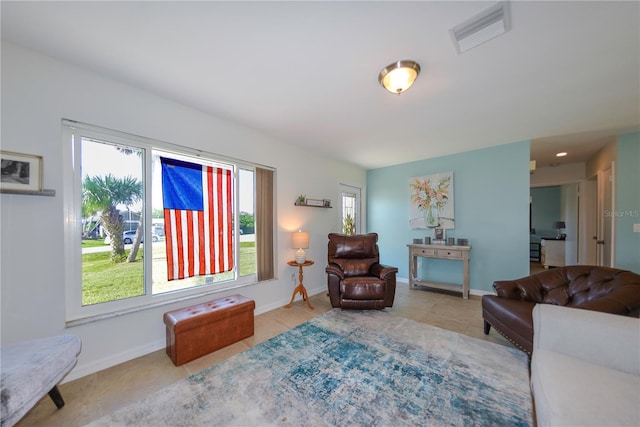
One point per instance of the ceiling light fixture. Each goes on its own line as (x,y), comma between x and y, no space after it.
(561,154)
(399,76)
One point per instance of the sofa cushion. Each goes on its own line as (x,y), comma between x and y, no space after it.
(571,392)
(362,288)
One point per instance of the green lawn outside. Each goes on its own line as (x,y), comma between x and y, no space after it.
(104,281)
(86,243)
(247,258)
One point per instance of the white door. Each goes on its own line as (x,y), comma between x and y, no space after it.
(349,209)
(605,238)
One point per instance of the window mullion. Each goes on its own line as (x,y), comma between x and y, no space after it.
(147,211)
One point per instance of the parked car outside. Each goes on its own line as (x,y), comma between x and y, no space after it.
(129,236)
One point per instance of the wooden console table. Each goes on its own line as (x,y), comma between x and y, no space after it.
(459,253)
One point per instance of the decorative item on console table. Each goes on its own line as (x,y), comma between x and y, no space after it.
(463,242)
(439,235)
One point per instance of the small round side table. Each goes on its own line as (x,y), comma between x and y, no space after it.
(300,288)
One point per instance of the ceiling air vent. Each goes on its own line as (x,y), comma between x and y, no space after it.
(483,27)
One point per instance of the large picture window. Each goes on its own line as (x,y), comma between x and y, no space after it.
(150,222)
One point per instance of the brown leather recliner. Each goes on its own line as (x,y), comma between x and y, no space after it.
(355,277)
(595,288)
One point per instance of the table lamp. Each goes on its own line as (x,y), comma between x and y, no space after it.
(559,225)
(300,241)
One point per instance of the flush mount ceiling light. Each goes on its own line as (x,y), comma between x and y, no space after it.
(483,27)
(561,154)
(399,76)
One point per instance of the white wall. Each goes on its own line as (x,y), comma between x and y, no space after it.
(37,92)
(564,174)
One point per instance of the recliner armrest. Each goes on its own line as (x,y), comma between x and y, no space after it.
(335,269)
(382,271)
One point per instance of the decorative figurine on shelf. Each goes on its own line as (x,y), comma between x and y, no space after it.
(301,199)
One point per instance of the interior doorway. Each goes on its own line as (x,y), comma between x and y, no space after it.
(605,237)
(549,205)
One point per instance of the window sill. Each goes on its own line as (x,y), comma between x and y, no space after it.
(124,312)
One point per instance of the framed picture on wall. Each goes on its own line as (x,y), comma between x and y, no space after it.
(20,172)
(431,201)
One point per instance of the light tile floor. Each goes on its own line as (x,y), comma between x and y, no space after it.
(98,394)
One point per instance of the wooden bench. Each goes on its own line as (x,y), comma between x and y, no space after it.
(201,329)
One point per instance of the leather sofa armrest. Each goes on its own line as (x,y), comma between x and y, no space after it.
(336,270)
(382,271)
(507,289)
(525,289)
(604,339)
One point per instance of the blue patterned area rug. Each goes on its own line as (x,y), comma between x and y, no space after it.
(347,368)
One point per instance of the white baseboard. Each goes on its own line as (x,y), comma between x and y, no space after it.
(111,360)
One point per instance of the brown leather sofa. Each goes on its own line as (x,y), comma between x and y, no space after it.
(594,288)
(355,277)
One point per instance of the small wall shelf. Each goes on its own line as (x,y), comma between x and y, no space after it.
(314,203)
(29,193)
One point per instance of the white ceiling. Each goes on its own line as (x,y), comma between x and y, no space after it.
(306,72)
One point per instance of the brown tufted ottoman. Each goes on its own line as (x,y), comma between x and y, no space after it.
(201,329)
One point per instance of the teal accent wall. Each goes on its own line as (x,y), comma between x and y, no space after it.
(628,202)
(491,196)
(545,210)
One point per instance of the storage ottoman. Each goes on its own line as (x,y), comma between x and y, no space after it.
(201,329)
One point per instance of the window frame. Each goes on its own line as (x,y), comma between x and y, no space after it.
(75,312)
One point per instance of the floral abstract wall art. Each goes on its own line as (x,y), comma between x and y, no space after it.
(431,202)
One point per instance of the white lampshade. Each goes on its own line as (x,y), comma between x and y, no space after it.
(399,76)
(300,241)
